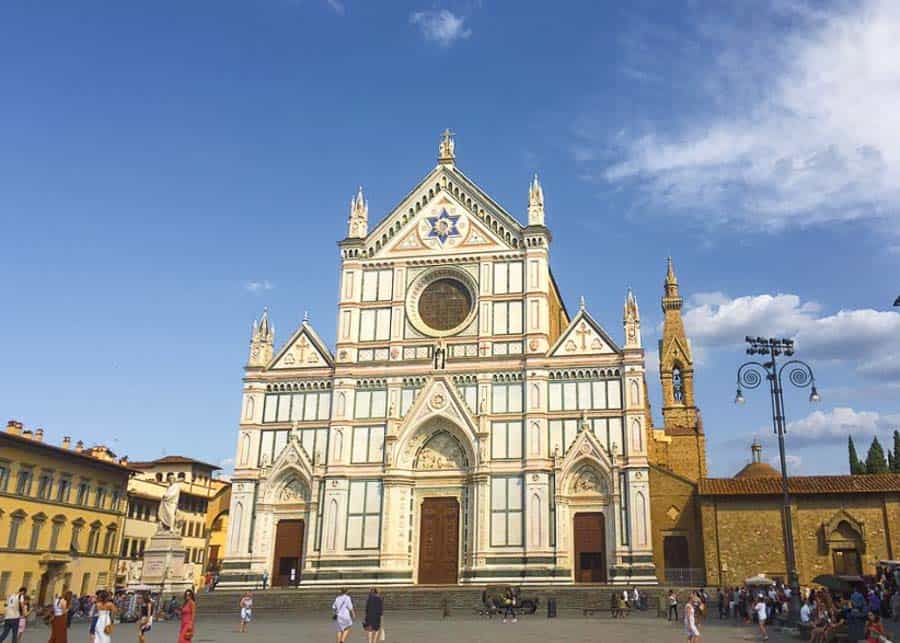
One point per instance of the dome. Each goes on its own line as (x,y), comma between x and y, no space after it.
(757,468)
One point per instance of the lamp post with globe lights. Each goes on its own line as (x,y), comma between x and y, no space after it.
(750,375)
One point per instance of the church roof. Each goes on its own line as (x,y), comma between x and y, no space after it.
(801,485)
(758,470)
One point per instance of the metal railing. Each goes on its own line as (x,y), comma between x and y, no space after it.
(685,576)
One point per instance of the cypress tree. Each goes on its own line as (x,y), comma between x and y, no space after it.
(875,462)
(896,467)
(890,455)
(856,467)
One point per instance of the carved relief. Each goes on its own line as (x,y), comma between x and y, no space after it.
(589,482)
(293,491)
(441,452)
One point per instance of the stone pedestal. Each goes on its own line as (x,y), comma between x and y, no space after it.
(164,568)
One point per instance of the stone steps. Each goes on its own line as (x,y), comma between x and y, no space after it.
(456,599)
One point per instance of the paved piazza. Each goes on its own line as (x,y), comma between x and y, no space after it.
(407,628)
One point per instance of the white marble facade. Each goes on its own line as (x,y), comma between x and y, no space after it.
(456,374)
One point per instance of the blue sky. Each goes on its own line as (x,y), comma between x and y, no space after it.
(169,168)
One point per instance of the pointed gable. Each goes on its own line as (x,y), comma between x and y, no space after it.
(305,349)
(445,211)
(584,336)
(440,397)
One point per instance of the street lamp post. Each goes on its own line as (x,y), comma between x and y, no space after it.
(750,375)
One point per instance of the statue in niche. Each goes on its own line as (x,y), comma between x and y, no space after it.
(441,452)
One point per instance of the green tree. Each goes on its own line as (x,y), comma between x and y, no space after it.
(896,467)
(856,467)
(875,462)
(890,455)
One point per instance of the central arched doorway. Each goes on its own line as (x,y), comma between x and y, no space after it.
(288,553)
(439,542)
(590,547)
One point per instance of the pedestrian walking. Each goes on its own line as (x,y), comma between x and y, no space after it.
(343,615)
(23,619)
(690,621)
(188,617)
(265,579)
(760,608)
(510,598)
(374,611)
(672,614)
(11,615)
(145,614)
(106,611)
(59,624)
(246,611)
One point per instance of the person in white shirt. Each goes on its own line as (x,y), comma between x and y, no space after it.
(11,615)
(760,608)
(690,622)
(805,613)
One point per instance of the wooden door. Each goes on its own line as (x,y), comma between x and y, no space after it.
(439,542)
(288,552)
(590,548)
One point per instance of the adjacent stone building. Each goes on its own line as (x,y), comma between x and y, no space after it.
(842,524)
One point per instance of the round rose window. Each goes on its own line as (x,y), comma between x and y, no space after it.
(444,304)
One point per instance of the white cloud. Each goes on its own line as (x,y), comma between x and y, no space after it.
(258,286)
(227,469)
(835,425)
(440,26)
(813,137)
(868,338)
(337,6)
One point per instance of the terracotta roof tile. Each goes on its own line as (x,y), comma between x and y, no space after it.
(801,485)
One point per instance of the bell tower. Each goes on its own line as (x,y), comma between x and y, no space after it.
(676,365)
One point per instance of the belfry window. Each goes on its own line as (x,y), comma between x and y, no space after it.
(677,385)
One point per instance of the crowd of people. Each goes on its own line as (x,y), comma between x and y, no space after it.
(825,615)
(104,610)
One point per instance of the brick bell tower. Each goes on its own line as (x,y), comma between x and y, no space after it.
(681,417)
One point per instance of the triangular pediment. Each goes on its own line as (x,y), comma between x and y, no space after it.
(586,449)
(446,212)
(292,464)
(676,351)
(439,397)
(584,336)
(305,349)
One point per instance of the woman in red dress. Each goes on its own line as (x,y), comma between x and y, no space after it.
(188,614)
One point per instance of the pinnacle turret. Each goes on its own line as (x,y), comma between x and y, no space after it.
(358,223)
(262,340)
(535,203)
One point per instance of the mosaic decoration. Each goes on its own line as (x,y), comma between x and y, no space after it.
(443,226)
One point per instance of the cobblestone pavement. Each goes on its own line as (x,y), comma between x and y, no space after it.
(430,628)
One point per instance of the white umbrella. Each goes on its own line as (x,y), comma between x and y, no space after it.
(758,580)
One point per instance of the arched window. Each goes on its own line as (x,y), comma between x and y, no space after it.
(677,385)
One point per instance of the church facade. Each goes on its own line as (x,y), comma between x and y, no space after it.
(466,428)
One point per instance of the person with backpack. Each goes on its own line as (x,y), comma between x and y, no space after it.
(11,615)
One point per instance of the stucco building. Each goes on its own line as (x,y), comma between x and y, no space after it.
(62,513)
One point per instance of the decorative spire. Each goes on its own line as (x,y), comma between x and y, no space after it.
(632,321)
(671,299)
(535,203)
(447,148)
(581,303)
(305,316)
(262,340)
(358,223)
